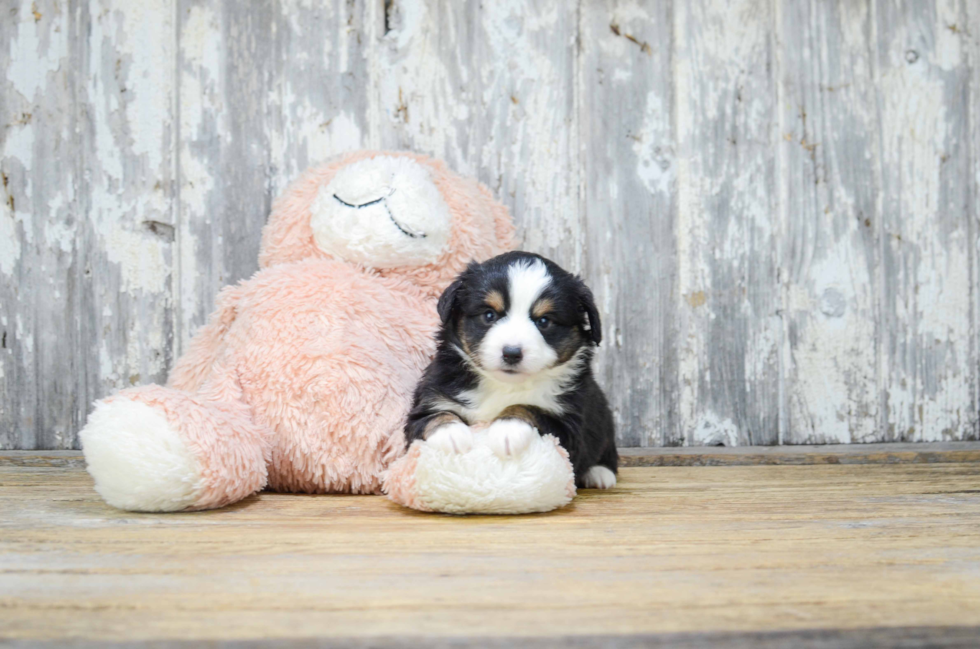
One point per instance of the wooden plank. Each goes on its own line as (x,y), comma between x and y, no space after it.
(143,143)
(946,637)
(828,201)
(320,101)
(730,335)
(891,453)
(923,80)
(671,550)
(226,63)
(295,74)
(973,215)
(489,87)
(629,186)
(123,60)
(38,258)
(70,459)
(908,453)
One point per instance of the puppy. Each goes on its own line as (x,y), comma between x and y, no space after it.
(515,349)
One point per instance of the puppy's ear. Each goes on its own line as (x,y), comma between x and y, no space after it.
(447,301)
(587,304)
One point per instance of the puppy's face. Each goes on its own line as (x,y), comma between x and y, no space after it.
(518,315)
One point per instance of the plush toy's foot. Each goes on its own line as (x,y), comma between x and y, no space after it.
(153,449)
(599,477)
(138,460)
(479,482)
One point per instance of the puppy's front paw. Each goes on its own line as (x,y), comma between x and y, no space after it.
(510,437)
(455,437)
(599,477)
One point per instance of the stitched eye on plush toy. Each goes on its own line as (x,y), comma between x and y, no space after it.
(382,212)
(383,200)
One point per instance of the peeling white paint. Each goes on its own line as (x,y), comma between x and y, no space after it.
(320,135)
(24,335)
(654,148)
(18,145)
(728,293)
(770,289)
(129,144)
(712,430)
(827,123)
(950,36)
(537,143)
(927,252)
(9,240)
(33,55)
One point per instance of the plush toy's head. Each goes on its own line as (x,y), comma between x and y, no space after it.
(395,212)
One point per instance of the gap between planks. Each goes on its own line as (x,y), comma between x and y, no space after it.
(915,453)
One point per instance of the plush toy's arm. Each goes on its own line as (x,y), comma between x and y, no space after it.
(195,366)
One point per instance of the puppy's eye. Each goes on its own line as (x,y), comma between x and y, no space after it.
(543,322)
(489,316)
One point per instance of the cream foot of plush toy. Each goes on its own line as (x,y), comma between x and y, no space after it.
(435,477)
(155,449)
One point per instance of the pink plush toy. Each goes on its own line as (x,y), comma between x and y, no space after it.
(301,379)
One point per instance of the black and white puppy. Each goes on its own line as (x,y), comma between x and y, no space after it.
(515,349)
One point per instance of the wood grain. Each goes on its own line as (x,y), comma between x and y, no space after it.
(888,453)
(907,453)
(973,213)
(40,263)
(774,202)
(926,314)
(126,134)
(945,637)
(829,251)
(225,65)
(728,300)
(671,550)
(629,188)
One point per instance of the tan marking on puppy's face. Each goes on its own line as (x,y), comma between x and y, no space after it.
(495,301)
(569,345)
(439,420)
(542,307)
(466,342)
(523,413)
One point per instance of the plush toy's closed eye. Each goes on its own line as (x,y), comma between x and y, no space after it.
(383,201)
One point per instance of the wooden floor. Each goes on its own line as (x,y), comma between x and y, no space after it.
(682,556)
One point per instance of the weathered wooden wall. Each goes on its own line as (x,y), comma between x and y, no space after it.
(775,201)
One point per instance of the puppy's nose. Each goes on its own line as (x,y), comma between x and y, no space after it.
(513,355)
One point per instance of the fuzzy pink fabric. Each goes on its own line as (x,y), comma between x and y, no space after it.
(233,464)
(302,377)
(399,482)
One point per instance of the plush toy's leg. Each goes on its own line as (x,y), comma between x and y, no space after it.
(157,449)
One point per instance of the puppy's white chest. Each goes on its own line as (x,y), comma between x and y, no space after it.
(489,399)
